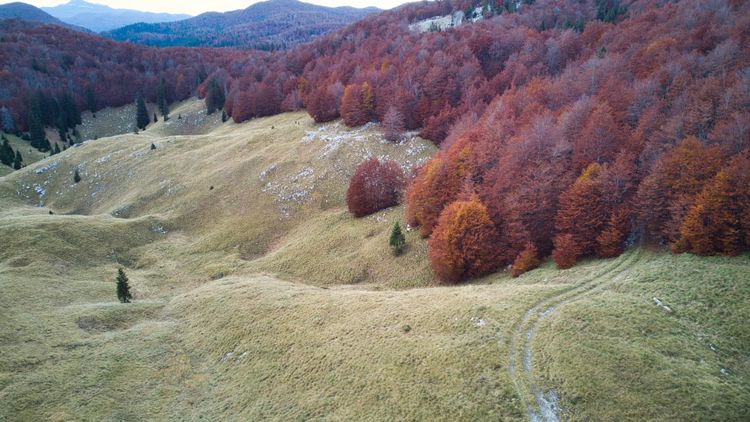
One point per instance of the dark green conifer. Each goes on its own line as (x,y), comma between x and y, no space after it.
(397,240)
(91,101)
(161,100)
(214,97)
(6,153)
(123,288)
(36,124)
(141,113)
(18,162)
(76,176)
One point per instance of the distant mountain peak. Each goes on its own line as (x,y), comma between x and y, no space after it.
(99,17)
(267,25)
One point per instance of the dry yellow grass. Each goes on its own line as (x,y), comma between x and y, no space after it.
(259,297)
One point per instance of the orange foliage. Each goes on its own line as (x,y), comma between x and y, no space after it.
(566,252)
(463,243)
(713,224)
(527,260)
(582,212)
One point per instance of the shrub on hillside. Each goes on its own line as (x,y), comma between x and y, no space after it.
(464,242)
(375,185)
(527,260)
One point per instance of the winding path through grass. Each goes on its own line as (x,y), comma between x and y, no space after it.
(541,406)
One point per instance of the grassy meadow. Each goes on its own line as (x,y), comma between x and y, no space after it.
(257,296)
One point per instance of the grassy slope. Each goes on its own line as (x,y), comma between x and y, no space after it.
(335,346)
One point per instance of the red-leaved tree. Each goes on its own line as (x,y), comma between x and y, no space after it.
(375,185)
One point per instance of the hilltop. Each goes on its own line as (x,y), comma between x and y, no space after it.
(98,17)
(267,25)
(27,12)
(258,296)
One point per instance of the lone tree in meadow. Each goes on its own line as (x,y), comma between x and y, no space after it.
(76,176)
(141,113)
(18,161)
(397,240)
(123,289)
(375,185)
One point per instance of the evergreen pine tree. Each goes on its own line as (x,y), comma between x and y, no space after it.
(224,116)
(153,146)
(91,101)
(69,114)
(161,100)
(214,97)
(36,126)
(141,119)
(123,289)
(155,118)
(397,240)
(6,153)
(57,149)
(18,162)
(76,176)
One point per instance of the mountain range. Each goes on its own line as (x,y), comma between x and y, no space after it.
(98,17)
(268,25)
(27,12)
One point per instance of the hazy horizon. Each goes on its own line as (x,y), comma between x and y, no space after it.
(196,8)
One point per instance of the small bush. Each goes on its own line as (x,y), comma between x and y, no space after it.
(527,260)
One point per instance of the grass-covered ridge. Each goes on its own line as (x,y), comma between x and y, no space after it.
(258,297)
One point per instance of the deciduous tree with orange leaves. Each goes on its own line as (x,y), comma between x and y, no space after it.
(464,242)
(582,213)
(527,260)
(357,105)
(713,225)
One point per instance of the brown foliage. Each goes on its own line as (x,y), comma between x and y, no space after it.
(713,224)
(582,212)
(527,260)
(375,185)
(463,242)
(566,252)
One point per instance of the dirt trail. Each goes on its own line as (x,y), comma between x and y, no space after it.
(541,405)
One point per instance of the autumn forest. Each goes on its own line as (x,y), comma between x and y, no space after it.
(567,129)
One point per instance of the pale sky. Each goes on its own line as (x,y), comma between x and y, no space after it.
(200,6)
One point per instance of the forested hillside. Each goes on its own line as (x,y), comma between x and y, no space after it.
(570,128)
(267,25)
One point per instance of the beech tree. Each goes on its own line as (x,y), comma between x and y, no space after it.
(463,243)
(527,260)
(374,186)
(393,124)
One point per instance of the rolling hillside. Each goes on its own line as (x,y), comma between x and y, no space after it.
(98,17)
(27,12)
(257,296)
(268,25)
